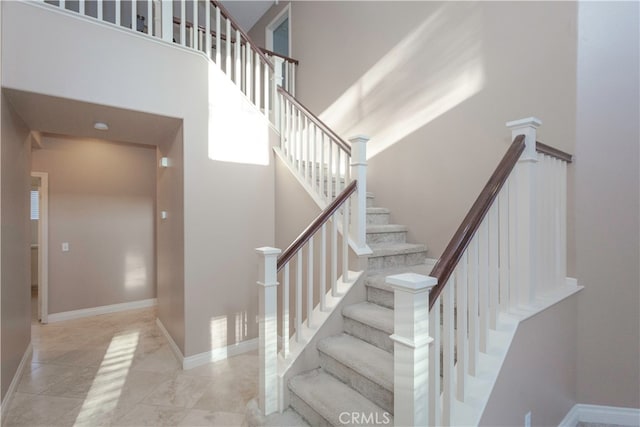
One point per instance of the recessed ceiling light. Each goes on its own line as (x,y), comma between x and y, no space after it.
(101,126)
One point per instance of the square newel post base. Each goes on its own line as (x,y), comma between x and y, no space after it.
(411,347)
(268,390)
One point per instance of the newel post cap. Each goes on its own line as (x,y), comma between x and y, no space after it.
(526,122)
(268,250)
(411,282)
(359,138)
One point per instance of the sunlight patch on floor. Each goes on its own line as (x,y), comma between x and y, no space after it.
(110,379)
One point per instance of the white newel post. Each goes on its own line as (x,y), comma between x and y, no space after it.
(358,171)
(411,348)
(167,20)
(277,80)
(527,228)
(268,334)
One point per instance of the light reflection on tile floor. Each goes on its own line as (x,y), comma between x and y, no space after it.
(118,370)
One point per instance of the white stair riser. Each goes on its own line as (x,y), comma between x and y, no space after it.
(366,333)
(392,261)
(377,218)
(369,389)
(387,237)
(306,411)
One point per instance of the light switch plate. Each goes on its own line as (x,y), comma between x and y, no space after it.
(65,246)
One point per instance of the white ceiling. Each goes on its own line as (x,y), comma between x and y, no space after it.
(247,13)
(49,114)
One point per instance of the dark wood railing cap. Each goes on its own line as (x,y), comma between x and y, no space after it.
(286,58)
(313,228)
(455,249)
(553,152)
(346,147)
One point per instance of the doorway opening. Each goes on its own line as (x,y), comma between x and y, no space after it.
(39,214)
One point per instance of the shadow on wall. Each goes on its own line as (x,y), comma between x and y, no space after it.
(442,57)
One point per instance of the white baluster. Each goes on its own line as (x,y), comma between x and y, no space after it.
(330,172)
(81,6)
(562,259)
(238,55)
(292,85)
(435,414)
(527,195)
(323,267)
(334,255)
(134,13)
(195,25)
(461,323)
(513,240)
(227,50)
(299,296)
(207,29)
(448,342)
(314,159)
(321,181)
(285,312)
(248,70)
(150,17)
(483,283)
(345,242)
(117,11)
(411,347)
(503,218)
(268,333)
(337,173)
(494,260)
(167,20)
(183,23)
(257,91)
(305,150)
(309,281)
(218,31)
(287,80)
(267,90)
(99,7)
(474,330)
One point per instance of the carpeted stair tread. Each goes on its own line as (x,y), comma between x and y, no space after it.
(329,397)
(365,359)
(372,315)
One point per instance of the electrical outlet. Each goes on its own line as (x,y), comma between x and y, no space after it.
(527,419)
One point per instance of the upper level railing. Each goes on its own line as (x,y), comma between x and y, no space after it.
(509,250)
(203,25)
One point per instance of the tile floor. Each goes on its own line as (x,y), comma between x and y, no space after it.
(118,370)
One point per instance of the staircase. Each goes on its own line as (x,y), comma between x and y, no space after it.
(354,384)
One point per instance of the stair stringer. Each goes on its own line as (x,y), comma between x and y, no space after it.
(304,356)
(322,204)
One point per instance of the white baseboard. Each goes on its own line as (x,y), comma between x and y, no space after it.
(219,353)
(215,355)
(105,309)
(601,415)
(172,343)
(6,402)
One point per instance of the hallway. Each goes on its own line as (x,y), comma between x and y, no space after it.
(118,370)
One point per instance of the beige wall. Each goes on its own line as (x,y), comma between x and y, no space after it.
(539,372)
(432,84)
(102,202)
(15,276)
(607,197)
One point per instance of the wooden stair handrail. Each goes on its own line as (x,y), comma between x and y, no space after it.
(553,152)
(286,58)
(341,142)
(312,228)
(234,24)
(223,37)
(462,237)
